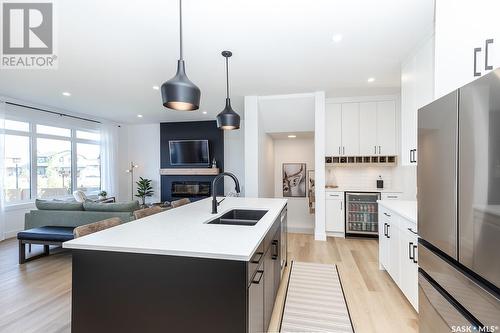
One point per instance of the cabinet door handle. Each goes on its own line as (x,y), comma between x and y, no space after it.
(410,248)
(255,280)
(414,256)
(339,150)
(379,150)
(388,236)
(476,51)
(413,159)
(275,250)
(341,205)
(392,197)
(385,232)
(343,150)
(486,47)
(375,150)
(388,215)
(411,230)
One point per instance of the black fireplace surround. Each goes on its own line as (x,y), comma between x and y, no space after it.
(194,187)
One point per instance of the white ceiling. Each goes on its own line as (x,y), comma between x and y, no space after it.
(112,52)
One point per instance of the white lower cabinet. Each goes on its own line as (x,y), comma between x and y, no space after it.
(398,252)
(409,269)
(335,213)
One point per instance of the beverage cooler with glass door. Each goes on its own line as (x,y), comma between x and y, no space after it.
(361,214)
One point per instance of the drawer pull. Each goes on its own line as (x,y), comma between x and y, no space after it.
(255,280)
(392,197)
(388,215)
(254,260)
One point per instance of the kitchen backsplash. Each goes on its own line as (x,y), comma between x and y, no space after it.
(359,177)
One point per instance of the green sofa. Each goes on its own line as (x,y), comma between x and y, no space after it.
(74,214)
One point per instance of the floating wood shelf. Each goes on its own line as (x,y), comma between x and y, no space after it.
(360,160)
(190,171)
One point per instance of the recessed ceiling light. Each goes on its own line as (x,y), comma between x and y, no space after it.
(156,88)
(371,79)
(292,136)
(66,94)
(337,38)
(139,116)
(204,112)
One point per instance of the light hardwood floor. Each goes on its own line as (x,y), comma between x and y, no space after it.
(36,296)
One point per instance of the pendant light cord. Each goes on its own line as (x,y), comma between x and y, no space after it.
(227,77)
(180,29)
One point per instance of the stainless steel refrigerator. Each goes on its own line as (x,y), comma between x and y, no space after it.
(458,177)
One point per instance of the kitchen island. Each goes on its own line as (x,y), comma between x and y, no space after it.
(176,272)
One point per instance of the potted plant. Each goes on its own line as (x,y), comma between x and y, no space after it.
(102,195)
(144,189)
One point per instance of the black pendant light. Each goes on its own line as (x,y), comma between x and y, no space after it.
(179,93)
(228,119)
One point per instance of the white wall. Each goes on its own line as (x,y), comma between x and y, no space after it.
(251,157)
(291,113)
(14,219)
(234,157)
(294,151)
(266,165)
(359,177)
(139,144)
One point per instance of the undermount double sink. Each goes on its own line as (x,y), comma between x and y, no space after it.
(247,217)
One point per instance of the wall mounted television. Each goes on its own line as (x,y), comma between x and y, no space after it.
(189,152)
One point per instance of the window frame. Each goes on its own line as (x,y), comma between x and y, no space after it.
(33,136)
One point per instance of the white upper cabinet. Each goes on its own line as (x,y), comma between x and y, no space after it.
(417,90)
(386,128)
(467,42)
(368,128)
(333,125)
(350,129)
(361,128)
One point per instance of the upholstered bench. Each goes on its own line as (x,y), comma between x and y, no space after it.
(48,235)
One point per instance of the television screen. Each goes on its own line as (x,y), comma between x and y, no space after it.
(189,152)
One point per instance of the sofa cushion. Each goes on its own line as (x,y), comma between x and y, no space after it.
(58,205)
(47,233)
(111,207)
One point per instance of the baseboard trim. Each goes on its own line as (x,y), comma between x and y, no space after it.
(320,236)
(335,234)
(300,230)
(11,234)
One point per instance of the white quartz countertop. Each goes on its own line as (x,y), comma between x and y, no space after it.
(405,209)
(183,231)
(361,189)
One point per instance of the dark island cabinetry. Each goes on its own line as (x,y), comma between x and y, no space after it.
(137,292)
